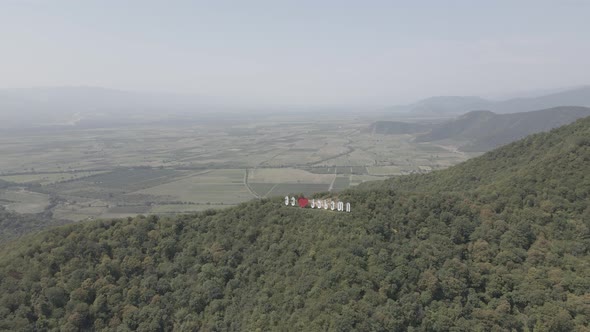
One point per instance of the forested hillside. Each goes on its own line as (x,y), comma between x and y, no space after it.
(13,225)
(500,242)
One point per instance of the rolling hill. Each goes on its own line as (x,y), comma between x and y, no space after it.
(455,105)
(572,97)
(485,130)
(500,242)
(444,105)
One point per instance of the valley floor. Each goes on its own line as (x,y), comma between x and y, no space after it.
(79,174)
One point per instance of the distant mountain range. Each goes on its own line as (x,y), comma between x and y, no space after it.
(455,105)
(95,106)
(486,130)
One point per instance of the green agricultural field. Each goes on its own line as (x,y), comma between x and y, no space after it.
(48,178)
(287,175)
(133,179)
(217,186)
(352,170)
(131,209)
(298,188)
(384,170)
(78,212)
(270,182)
(358,179)
(320,169)
(341,183)
(262,189)
(24,201)
(185,208)
(340,170)
(96,173)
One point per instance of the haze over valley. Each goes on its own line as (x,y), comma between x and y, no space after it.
(168,156)
(294,165)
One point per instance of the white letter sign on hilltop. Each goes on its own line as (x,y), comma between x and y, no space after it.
(318,203)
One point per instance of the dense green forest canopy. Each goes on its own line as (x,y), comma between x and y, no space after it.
(500,242)
(13,225)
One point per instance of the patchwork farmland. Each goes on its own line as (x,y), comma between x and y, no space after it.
(76,174)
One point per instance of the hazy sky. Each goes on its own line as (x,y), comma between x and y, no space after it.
(298,52)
